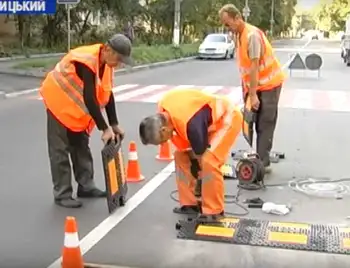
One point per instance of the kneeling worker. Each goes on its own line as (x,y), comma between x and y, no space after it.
(202,127)
(74,94)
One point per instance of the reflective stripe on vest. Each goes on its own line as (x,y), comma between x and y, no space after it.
(266,80)
(225,114)
(268,68)
(60,75)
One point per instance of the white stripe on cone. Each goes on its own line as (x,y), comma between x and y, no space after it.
(71,240)
(132,156)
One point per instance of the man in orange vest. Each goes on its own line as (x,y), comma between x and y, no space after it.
(261,74)
(203,128)
(74,93)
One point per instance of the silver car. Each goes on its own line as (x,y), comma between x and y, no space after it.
(217,46)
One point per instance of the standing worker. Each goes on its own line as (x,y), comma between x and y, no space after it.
(203,128)
(261,74)
(74,93)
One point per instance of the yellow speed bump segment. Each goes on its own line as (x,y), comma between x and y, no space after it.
(288,238)
(217,231)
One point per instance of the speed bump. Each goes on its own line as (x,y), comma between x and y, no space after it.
(114,171)
(285,235)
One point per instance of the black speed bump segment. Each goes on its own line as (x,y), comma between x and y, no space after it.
(114,171)
(285,235)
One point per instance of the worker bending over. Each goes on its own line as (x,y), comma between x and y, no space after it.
(203,128)
(261,74)
(74,93)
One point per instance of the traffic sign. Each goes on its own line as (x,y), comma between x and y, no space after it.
(313,62)
(68,2)
(246,11)
(297,63)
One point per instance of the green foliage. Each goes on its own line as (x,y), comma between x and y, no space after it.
(141,55)
(331,15)
(152,21)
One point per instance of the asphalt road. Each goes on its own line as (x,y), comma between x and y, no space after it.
(310,131)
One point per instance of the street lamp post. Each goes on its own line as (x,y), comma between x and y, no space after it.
(246,11)
(272,21)
(177,16)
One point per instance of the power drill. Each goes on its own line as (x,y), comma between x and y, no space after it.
(195,168)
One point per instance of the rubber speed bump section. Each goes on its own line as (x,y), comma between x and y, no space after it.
(114,171)
(286,235)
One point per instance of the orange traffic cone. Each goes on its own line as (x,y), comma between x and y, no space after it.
(133,173)
(71,255)
(165,153)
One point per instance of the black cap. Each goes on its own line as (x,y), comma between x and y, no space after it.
(122,45)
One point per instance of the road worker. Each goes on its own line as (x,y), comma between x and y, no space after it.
(74,93)
(261,74)
(203,129)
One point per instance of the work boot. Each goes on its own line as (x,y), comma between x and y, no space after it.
(68,203)
(186,210)
(91,193)
(211,218)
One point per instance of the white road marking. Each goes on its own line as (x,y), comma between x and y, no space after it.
(135,93)
(114,219)
(313,50)
(211,89)
(101,230)
(122,88)
(22,92)
(156,97)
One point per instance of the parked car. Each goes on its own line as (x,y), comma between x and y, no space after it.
(217,46)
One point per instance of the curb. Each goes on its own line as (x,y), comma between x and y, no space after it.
(97,265)
(4,95)
(35,56)
(39,74)
(49,55)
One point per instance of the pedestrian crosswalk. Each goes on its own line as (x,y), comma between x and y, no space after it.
(310,99)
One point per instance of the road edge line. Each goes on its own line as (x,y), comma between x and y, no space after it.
(101,230)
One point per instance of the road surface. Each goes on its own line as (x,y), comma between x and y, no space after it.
(311,132)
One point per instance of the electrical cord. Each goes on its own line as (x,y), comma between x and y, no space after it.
(229,199)
(234,199)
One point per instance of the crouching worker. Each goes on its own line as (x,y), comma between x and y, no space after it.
(202,127)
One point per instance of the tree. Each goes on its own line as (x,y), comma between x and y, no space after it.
(332,16)
(153,20)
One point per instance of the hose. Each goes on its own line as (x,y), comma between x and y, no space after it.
(321,187)
(318,187)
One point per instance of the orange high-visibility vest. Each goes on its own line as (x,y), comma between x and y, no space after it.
(182,105)
(270,72)
(62,89)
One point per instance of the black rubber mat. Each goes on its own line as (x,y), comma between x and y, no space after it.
(114,171)
(297,236)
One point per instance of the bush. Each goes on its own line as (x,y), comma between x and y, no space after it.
(141,55)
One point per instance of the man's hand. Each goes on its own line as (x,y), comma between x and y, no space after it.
(118,131)
(107,135)
(254,100)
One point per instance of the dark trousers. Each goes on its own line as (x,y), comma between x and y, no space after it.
(62,144)
(266,122)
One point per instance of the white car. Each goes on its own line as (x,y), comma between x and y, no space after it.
(217,46)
